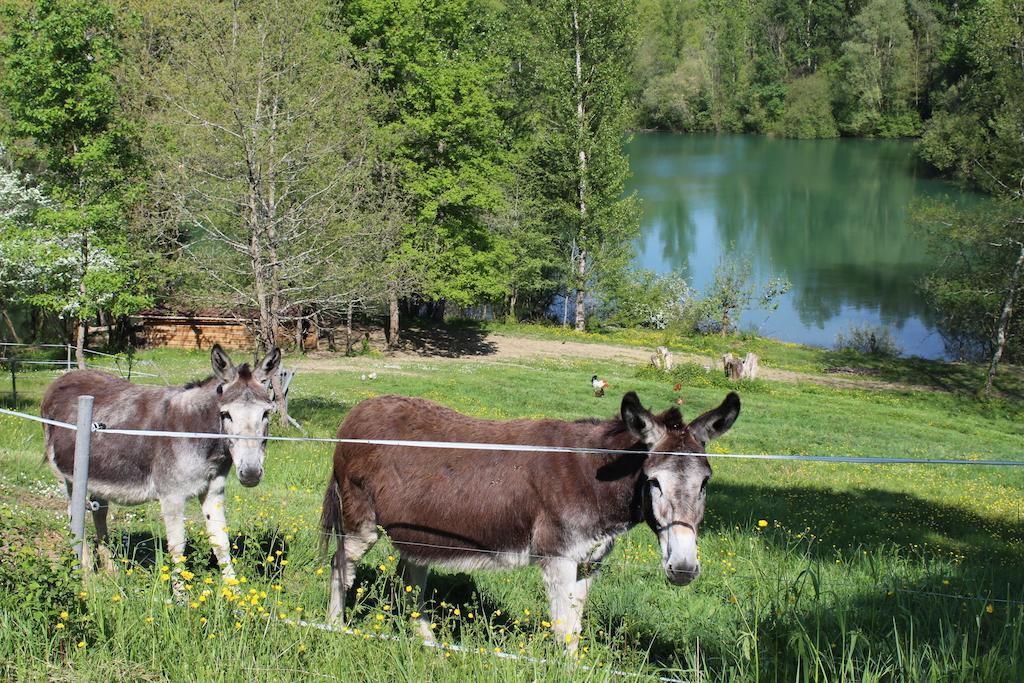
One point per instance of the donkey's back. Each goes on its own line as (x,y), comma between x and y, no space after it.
(125,460)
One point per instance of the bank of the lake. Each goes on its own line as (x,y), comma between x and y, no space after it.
(831,215)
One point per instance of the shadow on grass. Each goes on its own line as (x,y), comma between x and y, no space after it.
(873,518)
(144,549)
(450,341)
(22,404)
(956,378)
(900,633)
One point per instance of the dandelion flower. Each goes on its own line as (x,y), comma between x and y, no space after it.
(990,609)
(59,626)
(415,615)
(762,523)
(81,644)
(64,615)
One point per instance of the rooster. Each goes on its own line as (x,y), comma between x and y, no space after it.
(599,386)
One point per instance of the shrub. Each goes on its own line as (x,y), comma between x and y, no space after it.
(808,109)
(870,340)
(38,591)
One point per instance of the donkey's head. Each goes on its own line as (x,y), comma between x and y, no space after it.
(245,407)
(674,487)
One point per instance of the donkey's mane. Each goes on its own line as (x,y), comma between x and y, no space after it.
(198,383)
(244,374)
(613,426)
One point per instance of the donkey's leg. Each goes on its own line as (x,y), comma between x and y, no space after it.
(99,520)
(212,501)
(416,576)
(567,596)
(351,548)
(173,511)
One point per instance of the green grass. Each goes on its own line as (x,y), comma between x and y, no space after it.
(839,584)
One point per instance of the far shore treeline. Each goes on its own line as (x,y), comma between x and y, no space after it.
(307,162)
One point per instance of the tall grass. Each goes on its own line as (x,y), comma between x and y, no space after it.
(811,571)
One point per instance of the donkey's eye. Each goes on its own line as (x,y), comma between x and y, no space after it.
(704,485)
(266,415)
(655,485)
(224,415)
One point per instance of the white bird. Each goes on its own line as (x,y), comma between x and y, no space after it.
(599,385)
(373,375)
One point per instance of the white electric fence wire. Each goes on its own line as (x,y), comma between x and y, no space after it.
(101,428)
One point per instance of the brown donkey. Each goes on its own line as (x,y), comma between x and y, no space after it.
(478,509)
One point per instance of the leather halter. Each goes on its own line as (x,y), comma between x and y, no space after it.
(676,522)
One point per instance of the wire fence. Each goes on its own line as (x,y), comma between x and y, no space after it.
(817,583)
(8,356)
(100,428)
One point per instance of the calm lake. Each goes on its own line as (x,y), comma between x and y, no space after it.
(830,215)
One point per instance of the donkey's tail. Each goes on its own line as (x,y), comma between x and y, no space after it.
(331,525)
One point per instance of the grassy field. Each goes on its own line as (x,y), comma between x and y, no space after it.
(811,571)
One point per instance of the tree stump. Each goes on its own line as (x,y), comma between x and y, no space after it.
(662,358)
(736,369)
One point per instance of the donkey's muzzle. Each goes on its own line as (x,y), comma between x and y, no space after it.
(250,477)
(680,576)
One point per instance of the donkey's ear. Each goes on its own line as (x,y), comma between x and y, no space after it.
(223,368)
(268,366)
(639,421)
(714,423)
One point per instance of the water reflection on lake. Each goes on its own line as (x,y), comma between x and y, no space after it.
(831,215)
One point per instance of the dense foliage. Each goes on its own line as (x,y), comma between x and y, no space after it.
(297,163)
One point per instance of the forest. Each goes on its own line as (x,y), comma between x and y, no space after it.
(310,162)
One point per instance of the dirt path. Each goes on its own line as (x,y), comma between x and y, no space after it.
(486,347)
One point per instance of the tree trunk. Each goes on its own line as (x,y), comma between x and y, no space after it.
(1004,321)
(348,330)
(581,293)
(511,317)
(581,122)
(81,323)
(83,329)
(393,319)
(10,325)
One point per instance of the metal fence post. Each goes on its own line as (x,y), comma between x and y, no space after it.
(79,487)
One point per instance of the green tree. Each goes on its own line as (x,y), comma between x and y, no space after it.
(877,67)
(979,135)
(267,155)
(977,286)
(67,116)
(808,109)
(435,64)
(977,132)
(584,50)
